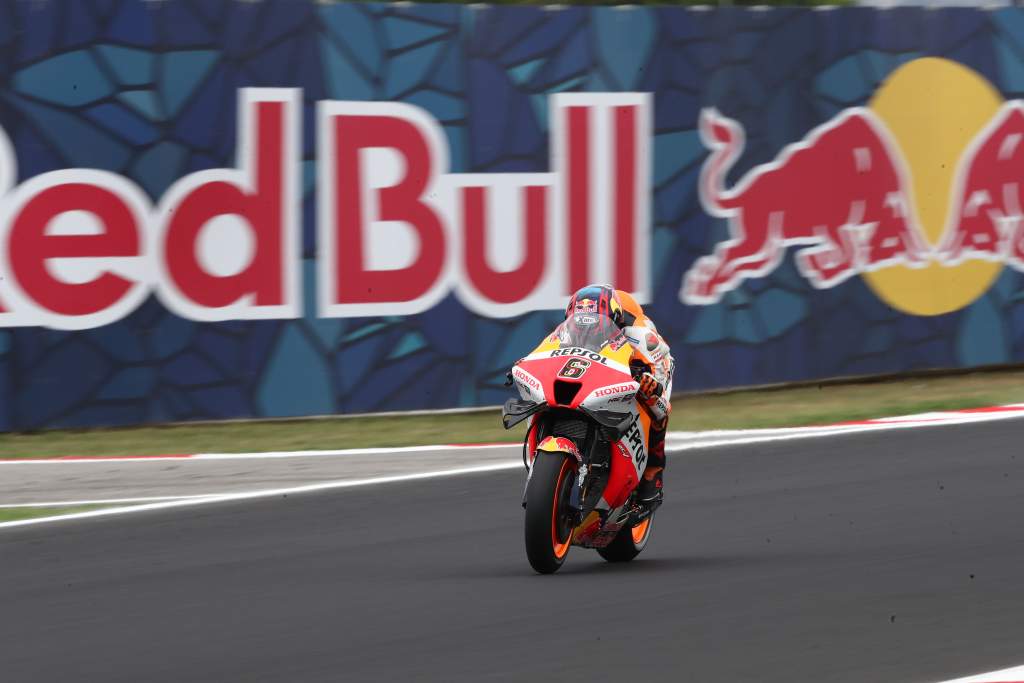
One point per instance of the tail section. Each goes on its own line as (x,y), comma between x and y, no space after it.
(724,137)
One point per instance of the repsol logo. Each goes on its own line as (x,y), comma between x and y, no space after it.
(636,441)
(575,351)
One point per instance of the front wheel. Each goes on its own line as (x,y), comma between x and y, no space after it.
(548,516)
(628,543)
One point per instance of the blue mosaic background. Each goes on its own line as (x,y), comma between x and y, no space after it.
(148,90)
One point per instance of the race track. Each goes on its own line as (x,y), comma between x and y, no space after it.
(889,556)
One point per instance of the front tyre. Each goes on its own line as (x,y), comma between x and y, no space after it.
(628,543)
(548,515)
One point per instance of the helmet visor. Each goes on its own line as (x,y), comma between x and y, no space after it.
(587,330)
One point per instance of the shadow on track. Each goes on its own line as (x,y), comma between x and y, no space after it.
(591,565)
(659,565)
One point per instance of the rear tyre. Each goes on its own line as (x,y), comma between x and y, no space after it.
(548,516)
(628,543)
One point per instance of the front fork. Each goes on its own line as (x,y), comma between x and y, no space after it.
(556,444)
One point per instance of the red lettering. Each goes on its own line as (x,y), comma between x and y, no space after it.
(514,285)
(262,208)
(355,282)
(528,379)
(578,125)
(380,165)
(616,389)
(625,197)
(30,247)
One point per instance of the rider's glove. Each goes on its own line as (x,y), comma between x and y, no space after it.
(650,388)
(650,395)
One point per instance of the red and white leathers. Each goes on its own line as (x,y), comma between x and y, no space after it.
(651,360)
(650,350)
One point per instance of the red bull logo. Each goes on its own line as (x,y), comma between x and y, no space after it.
(918,195)
(985,220)
(397,231)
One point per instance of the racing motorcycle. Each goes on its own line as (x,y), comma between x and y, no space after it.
(586,444)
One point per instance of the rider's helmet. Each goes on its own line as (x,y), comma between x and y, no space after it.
(631,310)
(594,300)
(617,304)
(588,314)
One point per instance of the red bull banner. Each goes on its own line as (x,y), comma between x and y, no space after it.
(285,207)
(396,231)
(845,196)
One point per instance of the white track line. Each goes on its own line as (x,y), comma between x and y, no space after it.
(102,501)
(268,493)
(744,437)
(693,440)
(739,437)
(1014,675)
(403,450)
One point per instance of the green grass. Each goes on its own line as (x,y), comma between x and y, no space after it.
(17,514)
(239,437)
(813,405)
(742,409)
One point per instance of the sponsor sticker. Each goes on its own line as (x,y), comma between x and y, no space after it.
(636,442)
(526,379)
(613,390)
(617,342)
(576,351)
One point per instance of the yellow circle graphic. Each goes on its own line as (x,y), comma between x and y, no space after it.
(933,108)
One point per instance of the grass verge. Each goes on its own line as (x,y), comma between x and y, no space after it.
(18,514)
(784,407)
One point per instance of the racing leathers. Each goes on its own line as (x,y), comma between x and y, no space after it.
(655,366)
(650,361)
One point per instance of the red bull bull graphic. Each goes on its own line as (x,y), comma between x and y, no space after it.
(845,196)
(985,219)
(842,194)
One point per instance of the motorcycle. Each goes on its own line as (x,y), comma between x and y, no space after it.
(586,444)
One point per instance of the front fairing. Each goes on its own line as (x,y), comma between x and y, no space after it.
(562,374)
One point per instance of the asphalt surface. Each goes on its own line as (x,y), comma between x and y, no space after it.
(891,556)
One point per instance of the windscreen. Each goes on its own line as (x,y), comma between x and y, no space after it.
(591,331)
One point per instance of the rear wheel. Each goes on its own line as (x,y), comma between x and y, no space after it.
(628,543)
(548,516)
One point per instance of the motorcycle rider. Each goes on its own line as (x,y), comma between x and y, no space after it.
(653,366)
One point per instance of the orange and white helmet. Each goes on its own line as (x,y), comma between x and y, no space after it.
(631,310)
(605,300)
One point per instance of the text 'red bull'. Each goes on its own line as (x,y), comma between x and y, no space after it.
(396,232)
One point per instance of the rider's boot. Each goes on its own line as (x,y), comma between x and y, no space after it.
(649,492)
